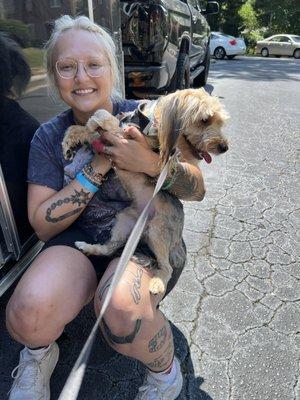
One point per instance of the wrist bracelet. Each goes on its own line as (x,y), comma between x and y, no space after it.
(96,178)
(85,183)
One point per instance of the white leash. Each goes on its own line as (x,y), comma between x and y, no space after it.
(72,386)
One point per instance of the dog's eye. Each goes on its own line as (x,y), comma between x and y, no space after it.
(206,121)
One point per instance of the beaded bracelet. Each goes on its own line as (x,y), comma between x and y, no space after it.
(96,178)
(86,183)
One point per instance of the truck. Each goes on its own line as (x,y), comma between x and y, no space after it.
(165,45)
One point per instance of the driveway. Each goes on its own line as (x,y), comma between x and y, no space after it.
(235,311)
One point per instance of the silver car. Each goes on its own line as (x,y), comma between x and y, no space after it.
(279,45)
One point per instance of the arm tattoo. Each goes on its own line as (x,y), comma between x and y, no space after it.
(157,342)
(114,339)
(187,185)
(80,197)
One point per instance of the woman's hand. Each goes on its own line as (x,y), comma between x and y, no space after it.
(131,152)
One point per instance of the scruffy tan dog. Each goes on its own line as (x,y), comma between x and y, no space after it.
(189,120)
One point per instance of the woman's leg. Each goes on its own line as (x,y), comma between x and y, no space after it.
(132,324)
(51,293)
(58,284)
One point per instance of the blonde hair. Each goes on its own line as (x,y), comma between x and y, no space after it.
(65,23)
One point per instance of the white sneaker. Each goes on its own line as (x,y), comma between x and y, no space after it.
(153,389)
(32,375)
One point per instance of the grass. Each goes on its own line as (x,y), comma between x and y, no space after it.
(35,58)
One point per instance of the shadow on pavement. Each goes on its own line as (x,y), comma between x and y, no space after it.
(252,69)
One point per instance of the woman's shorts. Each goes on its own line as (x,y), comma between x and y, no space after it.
(143,256)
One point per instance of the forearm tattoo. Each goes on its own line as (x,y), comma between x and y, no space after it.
(79,198)
(187,185)
(114,339)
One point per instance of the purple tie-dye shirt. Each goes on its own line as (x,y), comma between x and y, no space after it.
(47,167)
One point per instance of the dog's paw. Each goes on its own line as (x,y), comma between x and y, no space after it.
(83,246)
(156,286)
(69,154)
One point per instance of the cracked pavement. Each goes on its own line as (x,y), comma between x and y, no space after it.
(235,311)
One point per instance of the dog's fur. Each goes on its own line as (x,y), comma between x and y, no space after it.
(189,120)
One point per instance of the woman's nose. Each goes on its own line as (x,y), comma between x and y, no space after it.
(81,74)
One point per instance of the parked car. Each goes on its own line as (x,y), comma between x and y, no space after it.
(165,44)
(279,45)
(222,45)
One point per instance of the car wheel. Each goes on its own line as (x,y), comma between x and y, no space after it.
(264,52)
(297,53)
(201,79)
(230,57)
(183,72)
(219,53)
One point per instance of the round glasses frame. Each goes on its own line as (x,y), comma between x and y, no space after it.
(75,63)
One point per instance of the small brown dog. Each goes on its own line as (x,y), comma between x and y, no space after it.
(189,120)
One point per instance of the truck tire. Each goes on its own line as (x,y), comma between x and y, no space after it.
(201,79)
(182,72)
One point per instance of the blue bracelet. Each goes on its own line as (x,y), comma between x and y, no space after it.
(85,183)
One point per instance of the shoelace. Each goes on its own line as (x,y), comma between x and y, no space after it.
(31,374)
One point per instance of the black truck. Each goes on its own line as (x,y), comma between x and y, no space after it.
(165,44)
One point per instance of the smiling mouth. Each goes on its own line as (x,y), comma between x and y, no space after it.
(83,92)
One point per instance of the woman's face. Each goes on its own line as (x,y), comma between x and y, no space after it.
(83,93)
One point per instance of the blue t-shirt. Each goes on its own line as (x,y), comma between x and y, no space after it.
(47,167)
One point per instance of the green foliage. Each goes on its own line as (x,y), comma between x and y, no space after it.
(256,19)
(35,57)
(248,15)
(278,16)
(17,30)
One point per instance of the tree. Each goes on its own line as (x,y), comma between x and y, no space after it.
(279,16)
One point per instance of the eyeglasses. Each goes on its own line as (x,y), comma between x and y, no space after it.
(67,68)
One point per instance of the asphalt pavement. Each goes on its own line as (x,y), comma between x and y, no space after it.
(235,311)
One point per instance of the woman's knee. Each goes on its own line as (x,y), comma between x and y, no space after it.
(29,311)
(130,304)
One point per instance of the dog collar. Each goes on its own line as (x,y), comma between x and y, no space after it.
(145,123)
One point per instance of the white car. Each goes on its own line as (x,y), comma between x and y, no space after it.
(222,45)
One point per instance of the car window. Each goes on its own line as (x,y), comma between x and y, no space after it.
(296,38)
(275,39)
(283,39)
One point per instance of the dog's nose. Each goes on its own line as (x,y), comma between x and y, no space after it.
(223,147)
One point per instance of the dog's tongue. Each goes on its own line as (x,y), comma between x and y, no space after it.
(206,156)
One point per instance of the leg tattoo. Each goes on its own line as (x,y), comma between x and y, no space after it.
(114,339)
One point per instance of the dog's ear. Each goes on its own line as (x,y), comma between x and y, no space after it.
(169,126)
(211,111)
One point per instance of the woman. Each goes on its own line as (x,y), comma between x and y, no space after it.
(78,200)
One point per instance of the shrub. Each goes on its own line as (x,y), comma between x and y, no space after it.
(17,30)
